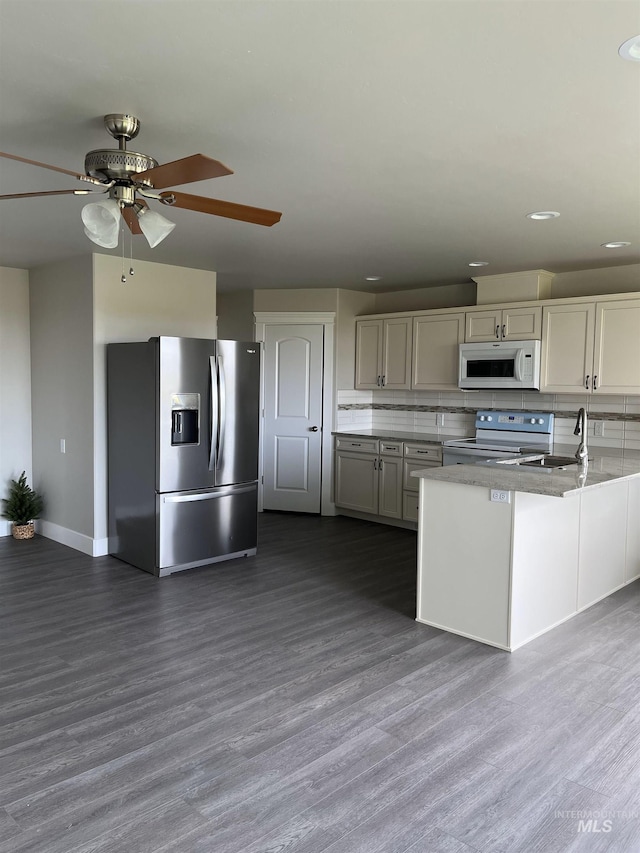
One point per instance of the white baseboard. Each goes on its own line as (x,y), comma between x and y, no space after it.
(92,547)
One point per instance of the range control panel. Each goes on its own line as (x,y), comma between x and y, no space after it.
(539,422)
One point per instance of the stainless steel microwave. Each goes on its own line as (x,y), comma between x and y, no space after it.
(499,365)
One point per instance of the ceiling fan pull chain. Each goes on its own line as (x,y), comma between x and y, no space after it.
(131,269)
(123,277)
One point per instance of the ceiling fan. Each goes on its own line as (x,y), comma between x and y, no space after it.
(128,178)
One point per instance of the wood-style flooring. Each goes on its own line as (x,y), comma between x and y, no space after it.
(289,703)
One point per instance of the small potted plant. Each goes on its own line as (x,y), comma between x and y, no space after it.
(21,507)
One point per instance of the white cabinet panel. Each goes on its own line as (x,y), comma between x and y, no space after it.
(567,348)
(436,340)
(508,324)
(616,363)
(602,558)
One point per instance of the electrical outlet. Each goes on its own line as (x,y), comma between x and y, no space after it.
(440,419)
(501,497)
(63,446)
(598,428)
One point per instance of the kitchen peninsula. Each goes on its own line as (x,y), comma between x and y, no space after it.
(506,553)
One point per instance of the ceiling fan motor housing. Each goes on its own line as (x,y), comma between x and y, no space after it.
(112,165)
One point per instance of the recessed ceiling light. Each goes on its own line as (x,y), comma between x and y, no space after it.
(543,214)
(630,49)
(373,278)
(620,244)
(478,263)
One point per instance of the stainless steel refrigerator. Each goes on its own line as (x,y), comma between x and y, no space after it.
(183,418)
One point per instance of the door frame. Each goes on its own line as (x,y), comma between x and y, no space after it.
(327,319)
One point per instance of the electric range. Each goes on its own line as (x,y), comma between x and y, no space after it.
(502,435)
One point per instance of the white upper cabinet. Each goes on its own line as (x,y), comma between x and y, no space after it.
(383,353)
(508,324)
(436,340)
(616,355)
(591,347)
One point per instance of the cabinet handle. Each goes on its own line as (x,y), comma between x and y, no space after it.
(504,327)
(375,464)
(586,382)
(379,381)
(498,332)
(383,379)
(595,382)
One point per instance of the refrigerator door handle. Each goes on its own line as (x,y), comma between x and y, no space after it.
(222,408)
(208,496)
(213,428)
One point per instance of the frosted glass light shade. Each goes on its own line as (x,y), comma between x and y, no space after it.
(154,226)
(101,222)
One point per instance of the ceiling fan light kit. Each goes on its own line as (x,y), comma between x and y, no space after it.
(126,174)
(155,227)
(101,222)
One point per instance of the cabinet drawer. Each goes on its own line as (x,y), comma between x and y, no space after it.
(410,506)
(357,445)
(391,448)
(432,452)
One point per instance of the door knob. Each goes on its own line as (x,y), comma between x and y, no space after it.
(313,429)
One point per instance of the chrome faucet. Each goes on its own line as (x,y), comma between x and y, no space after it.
(581,430)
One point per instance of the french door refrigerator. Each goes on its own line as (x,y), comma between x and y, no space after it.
(183,418)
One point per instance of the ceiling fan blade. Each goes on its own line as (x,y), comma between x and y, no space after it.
(77,175)
(198,167)
(129,216)
(243,212)
(49,192)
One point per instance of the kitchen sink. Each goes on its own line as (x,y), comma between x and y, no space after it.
(549,462)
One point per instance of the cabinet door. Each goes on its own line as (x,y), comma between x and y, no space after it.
(396,360)
(616,361)
(482,326)
(567,348)
(435,351)
(368,354)
(521,324)
(390,487)
(356,481)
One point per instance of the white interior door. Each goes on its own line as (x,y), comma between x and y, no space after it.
(292,435)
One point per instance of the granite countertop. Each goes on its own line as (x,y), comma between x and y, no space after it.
(395,435)
(604,467)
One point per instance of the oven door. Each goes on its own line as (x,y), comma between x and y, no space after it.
(499,365)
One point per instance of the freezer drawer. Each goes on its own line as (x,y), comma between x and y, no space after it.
(196,528)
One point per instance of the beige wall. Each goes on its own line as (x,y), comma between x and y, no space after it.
(61,308)
(313,299)
(624,279)
(235,316)
(15,381)
(159,300)
(447,296)
(350,304)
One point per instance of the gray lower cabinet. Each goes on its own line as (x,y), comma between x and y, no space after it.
(373,477)
(369,483)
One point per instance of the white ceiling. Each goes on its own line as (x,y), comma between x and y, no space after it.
(401,139)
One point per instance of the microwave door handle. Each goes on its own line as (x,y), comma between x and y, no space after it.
(519,364)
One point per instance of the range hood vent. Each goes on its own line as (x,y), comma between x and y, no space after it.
(531,285)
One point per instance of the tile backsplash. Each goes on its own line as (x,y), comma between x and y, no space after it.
(416,411)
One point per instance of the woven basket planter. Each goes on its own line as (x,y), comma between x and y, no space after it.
(23,531)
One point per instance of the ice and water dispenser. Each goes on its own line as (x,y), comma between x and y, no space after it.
(185,419)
